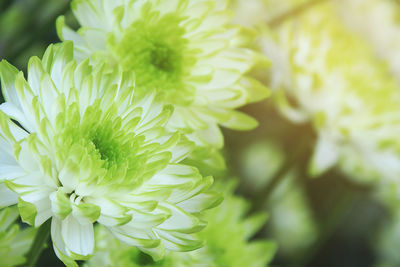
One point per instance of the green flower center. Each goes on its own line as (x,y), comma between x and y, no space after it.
(106,145)
(110,150)
(98,143)
(155,49)
(165,59)
(102,148)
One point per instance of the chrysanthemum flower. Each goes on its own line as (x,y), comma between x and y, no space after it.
(185,50)
(226,241)
(325,74)
(14,242)
(89,152)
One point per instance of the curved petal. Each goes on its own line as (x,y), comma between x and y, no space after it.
(7,197)
(58,243)
(78,238)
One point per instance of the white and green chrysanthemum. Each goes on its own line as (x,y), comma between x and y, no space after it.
(324,74)
(185,50)
(14,242)
(226,241)
(88,152)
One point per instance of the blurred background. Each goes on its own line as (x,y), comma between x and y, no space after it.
(330,220)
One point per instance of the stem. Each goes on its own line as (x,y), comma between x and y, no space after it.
(274,22)
(300,152)
(40,240)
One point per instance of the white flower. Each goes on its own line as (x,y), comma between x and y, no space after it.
(186,50)
(89,152)
(326,75)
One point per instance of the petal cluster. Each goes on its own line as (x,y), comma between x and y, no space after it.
(80,148)
(187,51)
(325,74)
(226,241)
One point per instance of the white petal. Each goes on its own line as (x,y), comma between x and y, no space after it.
(7,197)
(58,242)
(111,212)
(48,94)
(88,14)
(16,113)
(199,202)
(325,155)
(43,209)
(35,73)
(78,238)
(212,135)
(9,172)
(179,220)
(175,174)
(8,74)
(135,237)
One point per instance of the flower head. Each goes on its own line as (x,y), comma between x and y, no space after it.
(14,242)
(89,152)
(326,75)
(226,241)
(185,50)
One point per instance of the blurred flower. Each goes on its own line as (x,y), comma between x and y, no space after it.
(251,12)
(325,74)
(291,222)
(226,239)
(89,152)
(186,50)
(229,230)
(255,12)
(259,162)
(14,242)
(378,21)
